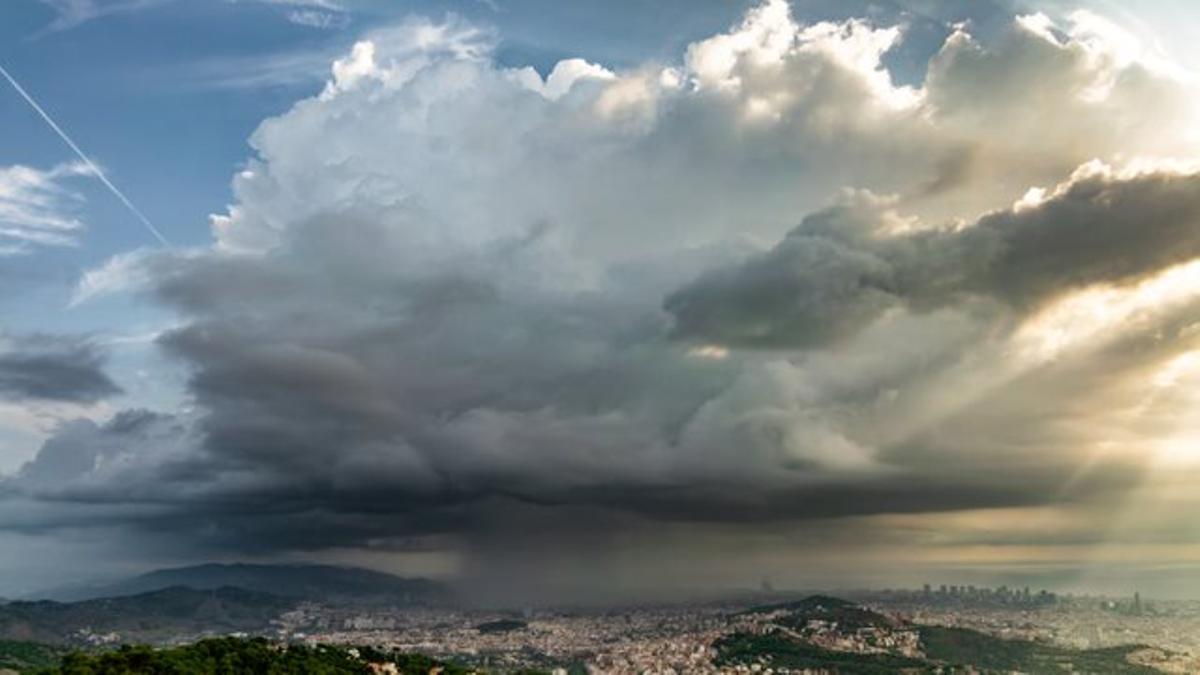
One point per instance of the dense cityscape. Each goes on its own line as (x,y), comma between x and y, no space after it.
(679,639)
(348,619)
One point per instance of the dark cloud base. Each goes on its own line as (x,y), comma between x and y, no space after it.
(54,368)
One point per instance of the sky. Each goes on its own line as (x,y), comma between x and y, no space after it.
(595,300)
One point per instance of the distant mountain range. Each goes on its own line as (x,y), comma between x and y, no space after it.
(324,583)
(163,615)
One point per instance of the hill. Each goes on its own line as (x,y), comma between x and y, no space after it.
(832,635)
(165,615)
(232,655)
(325,583)
(24,656)
(811,603)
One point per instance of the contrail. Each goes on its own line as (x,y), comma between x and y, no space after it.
(86,160)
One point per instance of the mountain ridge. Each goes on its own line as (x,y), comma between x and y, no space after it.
(156,616)
(293,580)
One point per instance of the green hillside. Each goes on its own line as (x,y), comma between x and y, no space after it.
(232,656)
(786,640)
(161,616)
(22,656)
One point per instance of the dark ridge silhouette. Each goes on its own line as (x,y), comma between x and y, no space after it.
(329,583)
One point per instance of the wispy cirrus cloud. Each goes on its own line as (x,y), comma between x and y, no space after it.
(283,69)
(325,14)
(328,5)
(37,208)
(317,19)
(408,41)
(72,13)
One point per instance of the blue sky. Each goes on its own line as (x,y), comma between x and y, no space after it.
(684,250)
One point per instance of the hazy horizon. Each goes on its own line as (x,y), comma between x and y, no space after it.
(473,596)
(601,299)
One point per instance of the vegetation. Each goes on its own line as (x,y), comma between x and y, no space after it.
(156,617)
(782,644)
(781,652)
(501,626)
(847,615)
(21,656)
(809,604)
(945,649)
(233,656)
(960,646)
(847,618)
(245,656)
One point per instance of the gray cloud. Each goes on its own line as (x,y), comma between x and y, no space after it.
(53,369)
(840,269)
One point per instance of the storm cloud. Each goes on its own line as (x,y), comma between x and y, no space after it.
(467,307)
(53,369)
(842,268)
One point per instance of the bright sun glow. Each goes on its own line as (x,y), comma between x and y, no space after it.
(713,352)
(1177,389)
(1092,317)
(1088,316)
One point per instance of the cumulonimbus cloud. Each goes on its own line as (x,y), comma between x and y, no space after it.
(446,285)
